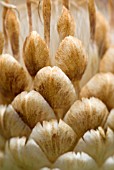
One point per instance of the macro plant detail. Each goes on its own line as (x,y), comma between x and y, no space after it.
(56,85)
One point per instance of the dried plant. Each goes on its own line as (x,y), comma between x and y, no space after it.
(56,113)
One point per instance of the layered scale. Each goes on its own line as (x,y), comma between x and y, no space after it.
(56,86)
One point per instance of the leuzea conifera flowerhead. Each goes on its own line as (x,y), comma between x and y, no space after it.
(45,124)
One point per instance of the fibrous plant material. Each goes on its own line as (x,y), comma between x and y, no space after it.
(49,121)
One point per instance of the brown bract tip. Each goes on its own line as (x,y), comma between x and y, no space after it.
(66,3)
(100,86)
(13,78)
(56,88)
(35,53)
(54,138)
(13,31)
(86,114)
(66,24)
(32,108)
(71,57)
